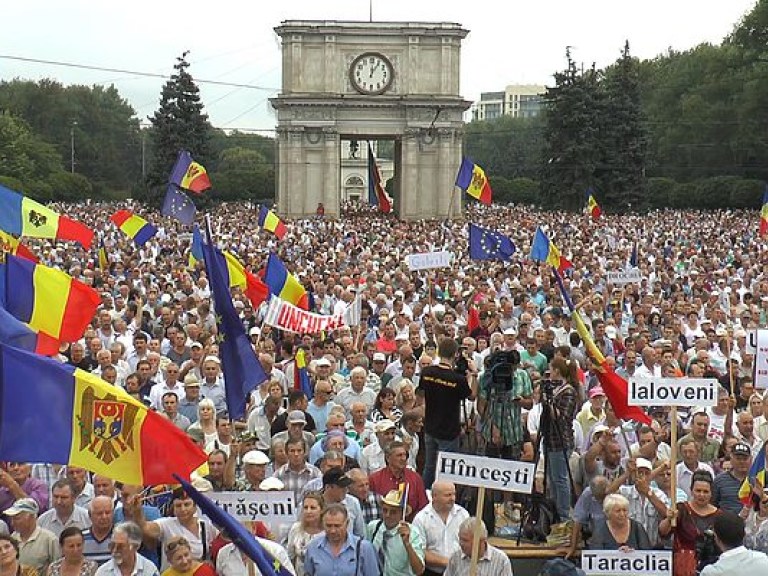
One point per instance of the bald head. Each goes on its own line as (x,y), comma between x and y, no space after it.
(443,496)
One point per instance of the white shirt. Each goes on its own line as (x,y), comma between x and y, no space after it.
(229,561)
(158,390)
(143,567)
(440,537)
(372,458)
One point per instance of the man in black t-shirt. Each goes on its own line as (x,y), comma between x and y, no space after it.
(444,390)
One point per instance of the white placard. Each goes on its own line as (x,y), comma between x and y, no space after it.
(624,277)
(616,563)
(272,507)
(491,473)
(428,260)
(751,345)
(673,391)
(761,360)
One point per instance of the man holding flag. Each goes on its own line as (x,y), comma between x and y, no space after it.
(400,547)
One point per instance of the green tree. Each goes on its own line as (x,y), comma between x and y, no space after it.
(178,124)
(506,146)
(623,137)
(571,148)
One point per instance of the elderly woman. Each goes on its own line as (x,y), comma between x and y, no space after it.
(72,562)
(182,563)
(692,547)
(618,531)
(303,531)
(206,421)
(9,559)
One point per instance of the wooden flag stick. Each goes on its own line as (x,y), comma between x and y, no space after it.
(478,530)
(673,463)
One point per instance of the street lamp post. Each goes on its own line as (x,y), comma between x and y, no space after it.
(72,145)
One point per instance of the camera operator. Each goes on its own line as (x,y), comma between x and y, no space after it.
(504,389)
(444,389)
(558,396)
(729,536)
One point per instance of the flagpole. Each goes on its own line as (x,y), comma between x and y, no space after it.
(450,204)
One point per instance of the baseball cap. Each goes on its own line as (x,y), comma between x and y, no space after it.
(322,362)
(212,358)
(297,417)
(256,457)
(611,332)
(255,331)
(510,332)
(384,425)
(741,449)
(23,505)
(596,391)
(599,428)
(336,477)
(379,357)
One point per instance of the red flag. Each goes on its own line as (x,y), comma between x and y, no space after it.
(473,319)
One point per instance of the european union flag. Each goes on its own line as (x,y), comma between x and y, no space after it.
(242,369)
(486,244)
(178,205)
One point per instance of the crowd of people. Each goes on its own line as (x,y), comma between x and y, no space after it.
(416,377)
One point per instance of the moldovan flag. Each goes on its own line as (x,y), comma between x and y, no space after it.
(103,257)
(543,250)
(17,334)
(49,300)
(189,175)
(756,476)
(22,216)
(614,386)
(283,284)
(270,222)
(471,178)
(594,208)
(377,195)
(301,375)
(14,246)
(53,412)
(138,229)
(237,275)
(763,214)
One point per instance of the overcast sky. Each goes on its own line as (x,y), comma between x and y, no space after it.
(510,41)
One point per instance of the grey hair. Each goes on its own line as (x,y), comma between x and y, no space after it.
(468,527)
(612,501)
(358,370)
(132,531)
(598,485)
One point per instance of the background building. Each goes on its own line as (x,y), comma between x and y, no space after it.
(354,169)
(517,100)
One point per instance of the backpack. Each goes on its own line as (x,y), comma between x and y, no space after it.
(538,521)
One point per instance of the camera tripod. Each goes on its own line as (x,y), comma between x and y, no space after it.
(547,426)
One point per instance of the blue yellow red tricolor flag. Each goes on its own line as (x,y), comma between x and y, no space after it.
(14,246)
(251,285)
(472,179)
(103,257)
(134,226)
(764,214)
(22,216)
(17,334)
(614,386)
(544,250)
(65,415)
(377,195)
(49,300)
(301,374)
(270,222)
(756,476)
(189,175)
(283,284)
(592,206)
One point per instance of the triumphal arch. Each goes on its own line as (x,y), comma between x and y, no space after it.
(358,81)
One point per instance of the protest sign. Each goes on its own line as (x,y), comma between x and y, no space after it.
(493,473)
(761,360)
(278,510)
(286,316)
(428,260)
(673,391)
(617,563)
(624,277)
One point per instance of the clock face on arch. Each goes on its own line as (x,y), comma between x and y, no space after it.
(371,73)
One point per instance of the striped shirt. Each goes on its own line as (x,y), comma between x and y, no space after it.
(94,549)
(493,563)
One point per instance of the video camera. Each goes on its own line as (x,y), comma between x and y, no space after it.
(500,369)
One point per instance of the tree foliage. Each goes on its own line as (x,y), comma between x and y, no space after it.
(178,124)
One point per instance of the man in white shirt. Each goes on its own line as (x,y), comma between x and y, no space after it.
(372,459)
(690,464)
(231,562)
(735,559)
(439,525)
